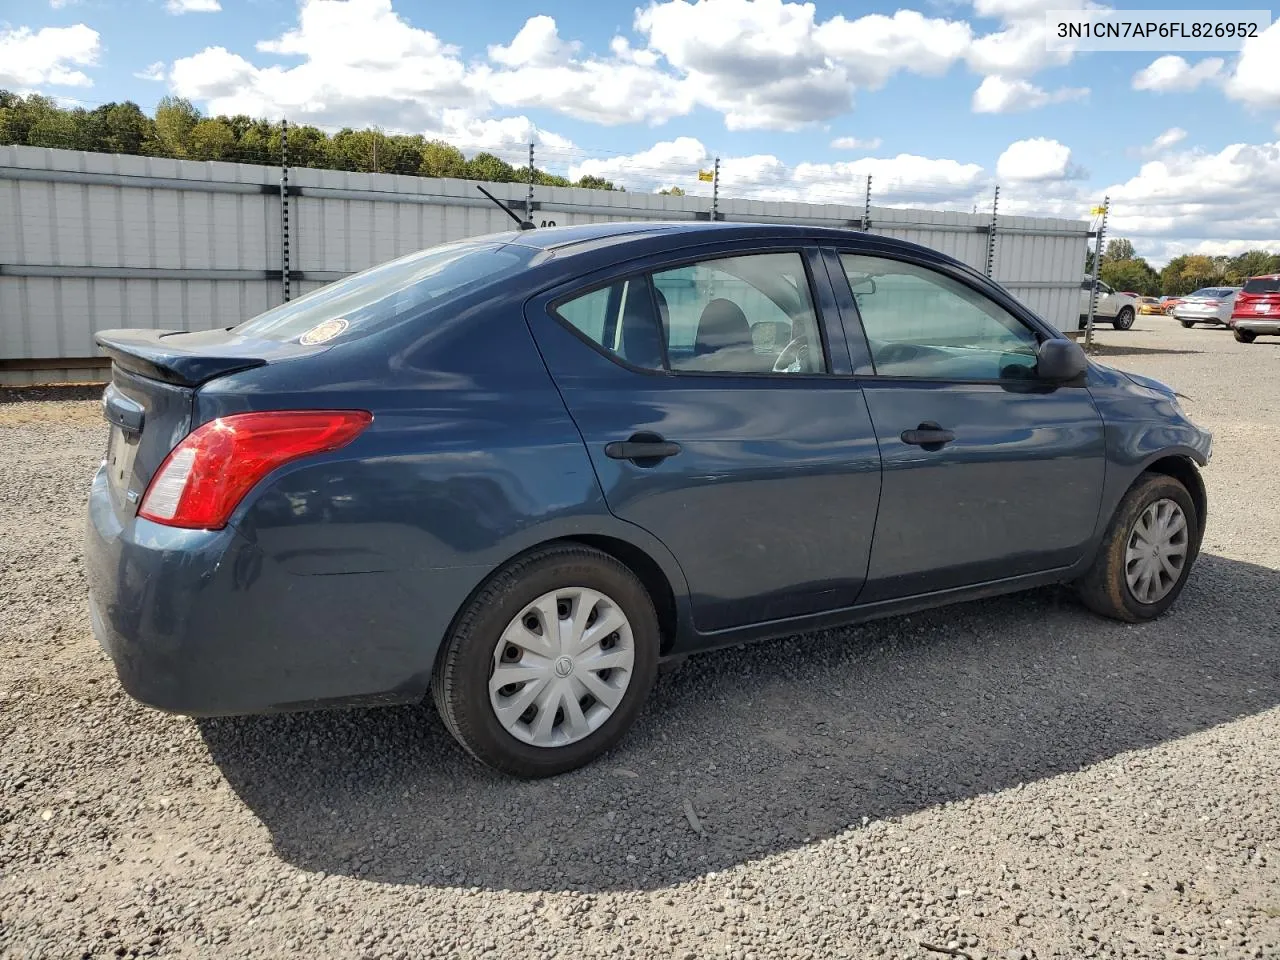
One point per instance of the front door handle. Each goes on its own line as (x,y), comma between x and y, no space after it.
(928,436)
(642,449)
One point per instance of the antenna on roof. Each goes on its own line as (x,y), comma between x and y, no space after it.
(524,224)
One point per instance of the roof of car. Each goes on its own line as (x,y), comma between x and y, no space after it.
(563,238)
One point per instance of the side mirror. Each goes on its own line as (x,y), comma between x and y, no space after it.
(1059,361)
(863,285)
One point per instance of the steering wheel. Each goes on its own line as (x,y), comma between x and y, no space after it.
(794,357)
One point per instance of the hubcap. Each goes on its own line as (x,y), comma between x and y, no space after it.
(561,667)
(1157,551)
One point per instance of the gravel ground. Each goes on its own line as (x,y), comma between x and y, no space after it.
(1009,778)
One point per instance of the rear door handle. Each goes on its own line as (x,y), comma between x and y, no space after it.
(644,450)
(928,435)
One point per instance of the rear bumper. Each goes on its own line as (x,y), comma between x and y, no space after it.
(203,623)
(1256,324)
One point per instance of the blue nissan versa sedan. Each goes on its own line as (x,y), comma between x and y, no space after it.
(521,469)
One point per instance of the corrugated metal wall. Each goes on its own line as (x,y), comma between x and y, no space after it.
(92,241)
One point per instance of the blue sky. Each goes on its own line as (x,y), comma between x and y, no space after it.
(944,98)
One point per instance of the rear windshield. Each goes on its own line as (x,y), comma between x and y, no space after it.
(393,291)
(1214,293)
(1262,285)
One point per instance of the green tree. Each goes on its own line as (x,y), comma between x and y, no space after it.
(1252,263)
(440,159)
(175,119)
(210,140)
(485,166)
(127,128)
(671,192)
(308,147)
(1118,249)
(591,182)
(1131,274)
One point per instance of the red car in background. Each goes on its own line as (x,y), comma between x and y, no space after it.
(1257,309)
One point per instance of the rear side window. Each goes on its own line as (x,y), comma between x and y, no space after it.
(388,293)
(750,314)
(1262,285)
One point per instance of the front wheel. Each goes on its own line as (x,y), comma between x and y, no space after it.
(1245,336)
(549,663)
(1146,554)
(1187,323)
(1124,319)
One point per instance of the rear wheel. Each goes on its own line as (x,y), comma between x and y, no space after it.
(550,662)
(1187,323)
(1245,336)
(1124,319)
(1146,554)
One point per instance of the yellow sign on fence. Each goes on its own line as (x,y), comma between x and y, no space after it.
(1098,211)
(706,176)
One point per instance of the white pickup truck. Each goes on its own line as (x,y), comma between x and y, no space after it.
(1117,309)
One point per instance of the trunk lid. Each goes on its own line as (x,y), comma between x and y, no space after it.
(150,401)
(1259,298)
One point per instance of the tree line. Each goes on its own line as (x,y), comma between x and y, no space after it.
(1123,269)
(178,129)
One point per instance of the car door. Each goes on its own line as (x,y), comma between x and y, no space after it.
(989,473)
(720,417)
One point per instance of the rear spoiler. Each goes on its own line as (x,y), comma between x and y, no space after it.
(163,354)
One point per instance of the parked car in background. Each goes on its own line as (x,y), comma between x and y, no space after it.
(1149,306)
(1206,305)
(1168,303)
(1257,309)
(1117,309)
(515,472)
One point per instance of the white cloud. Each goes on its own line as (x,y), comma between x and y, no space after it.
(770,64)
(59,4)
(1160,252)
(1038,160)
(361,65)
(538,44)
(1173,74)
(154,71)
(1169,138)
(539,69)
(854,143)
(1211,195)
(1019,50)
(1165,141)
(904,179)
(1256,80)
(48,56)
(1001,95)
(178,7)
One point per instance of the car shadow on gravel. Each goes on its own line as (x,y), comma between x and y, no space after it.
(1104,350)
(770,747)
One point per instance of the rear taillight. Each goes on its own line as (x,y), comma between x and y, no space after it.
(211,470)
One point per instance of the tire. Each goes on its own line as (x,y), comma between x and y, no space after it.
(1245,336)
(1124,319)
(1187,323)
(468,658)
(1105,588)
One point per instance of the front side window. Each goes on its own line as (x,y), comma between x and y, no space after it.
(920,323)
(749,314)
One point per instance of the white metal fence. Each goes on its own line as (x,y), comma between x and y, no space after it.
(92,241)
